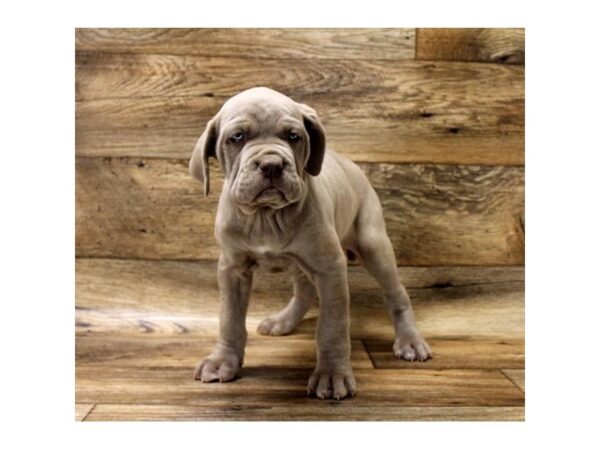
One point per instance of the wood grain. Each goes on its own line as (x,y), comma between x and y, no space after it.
(253,43)
(186,350)
(463,353)
(337,81)
(271,386)
(306,413)
(435,215)
(496,45)
(179,298)
(373,111)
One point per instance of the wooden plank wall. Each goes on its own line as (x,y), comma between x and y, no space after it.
(435,117)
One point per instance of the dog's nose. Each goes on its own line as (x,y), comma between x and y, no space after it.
(271,166)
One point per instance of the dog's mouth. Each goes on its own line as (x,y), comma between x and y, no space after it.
(252,191)
(269,194)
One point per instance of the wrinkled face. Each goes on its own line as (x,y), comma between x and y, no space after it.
(263,148)
(265,143)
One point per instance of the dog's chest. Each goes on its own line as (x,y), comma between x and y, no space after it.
(265,258)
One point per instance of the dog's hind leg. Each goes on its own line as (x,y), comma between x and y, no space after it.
(286,320)
(378,256)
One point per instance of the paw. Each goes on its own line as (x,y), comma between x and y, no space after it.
(218,367)
(275,326)
(411,346)
(332,383)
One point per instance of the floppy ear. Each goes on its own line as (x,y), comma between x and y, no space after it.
(205,148)
(316,135)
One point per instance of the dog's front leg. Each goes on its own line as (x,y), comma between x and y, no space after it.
(333,377)
(235,283)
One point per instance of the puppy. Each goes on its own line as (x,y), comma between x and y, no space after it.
(288,203)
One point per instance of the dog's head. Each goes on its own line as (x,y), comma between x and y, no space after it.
(265,143)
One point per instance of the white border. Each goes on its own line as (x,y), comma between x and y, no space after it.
(37,186)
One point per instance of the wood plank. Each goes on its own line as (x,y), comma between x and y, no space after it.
(307,413)
(82,410)
(144,283)
(457,353)
(338,81)
(362,142)
(253,43)
(185,351)
(273,386)
(517,376)
(175,297)
(409,111)
(435,215)
(496,45)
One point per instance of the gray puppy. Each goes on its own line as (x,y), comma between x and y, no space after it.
(288,203)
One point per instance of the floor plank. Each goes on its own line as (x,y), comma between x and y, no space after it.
(253,43)
(435,215)
(495,45)
(274,386)
(142,326)
(517,376)
(457,353)
(307,413)
(82,410)
(185,351)
(174,297)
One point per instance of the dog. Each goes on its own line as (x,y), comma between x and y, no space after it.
(287,202)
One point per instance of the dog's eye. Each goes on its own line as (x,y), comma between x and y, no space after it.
(293,136)
(237,137)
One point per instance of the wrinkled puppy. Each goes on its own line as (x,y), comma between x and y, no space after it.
(288,203)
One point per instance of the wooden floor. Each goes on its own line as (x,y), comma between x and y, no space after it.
(142,326)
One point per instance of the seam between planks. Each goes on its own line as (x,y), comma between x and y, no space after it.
(298,58)
(511,380)
(362,342)
(214,260)
(417,30)
(209,260)
(423,162)
(89,412)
